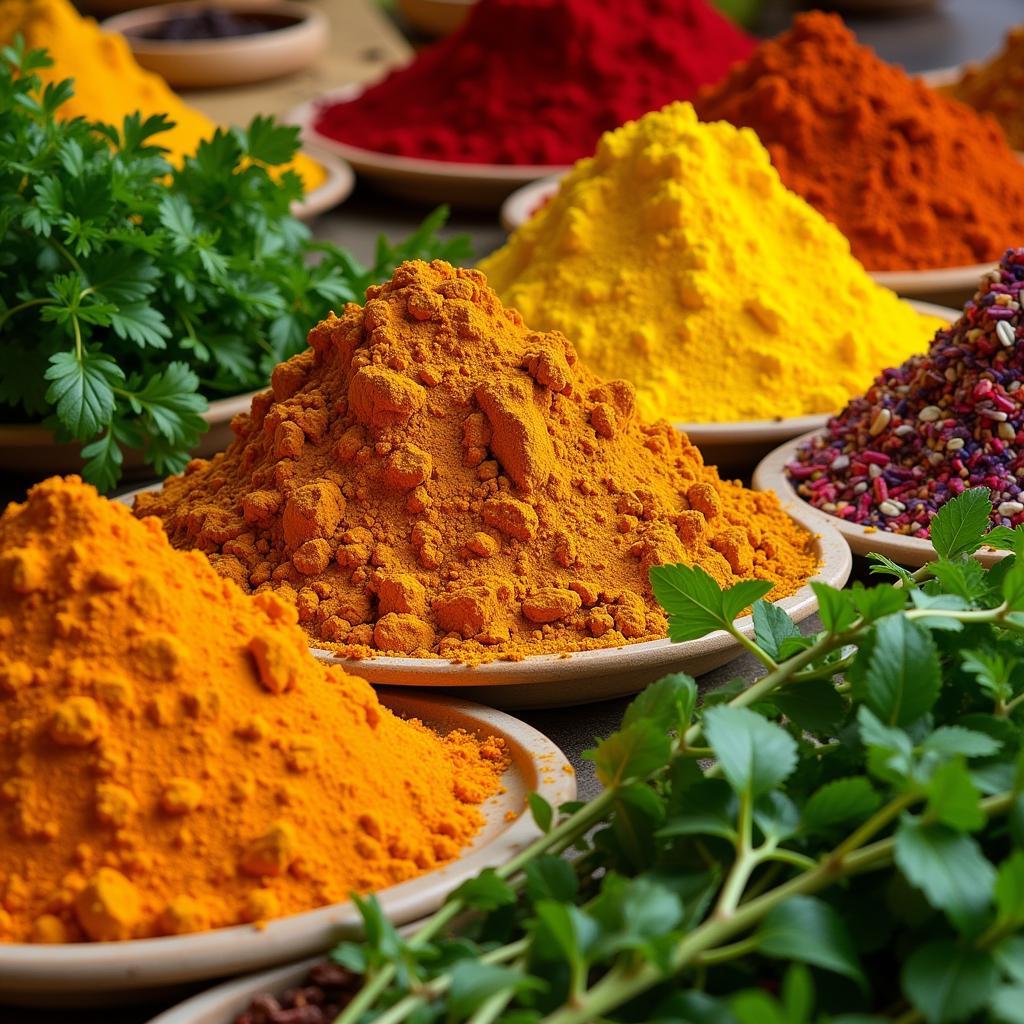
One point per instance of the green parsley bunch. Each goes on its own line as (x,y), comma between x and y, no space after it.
(131,290)
(841,840)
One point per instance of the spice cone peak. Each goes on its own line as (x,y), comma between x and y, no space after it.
(431,477)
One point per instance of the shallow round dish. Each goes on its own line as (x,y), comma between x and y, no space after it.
(331,192)
(300,34)
(522,204)
(583,677)
(913,552)
(478,186)
(105,971)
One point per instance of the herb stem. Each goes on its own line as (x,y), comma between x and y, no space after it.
(27,304)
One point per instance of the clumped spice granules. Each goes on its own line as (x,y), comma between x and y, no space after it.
(432,477)
(172,757)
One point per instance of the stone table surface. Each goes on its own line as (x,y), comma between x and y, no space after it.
(951,32)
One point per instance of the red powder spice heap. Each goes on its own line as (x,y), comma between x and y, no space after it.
(914,179)
(538,81)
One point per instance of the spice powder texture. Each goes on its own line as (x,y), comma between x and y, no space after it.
(109,83)
(676,257)
(892,162)
(173,759)
(431,477)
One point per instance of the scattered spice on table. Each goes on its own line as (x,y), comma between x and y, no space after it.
(944,421)
(537,81)
(173,757)
(914,179)
(995,87)
(432,477)
(677,258)
(109,83)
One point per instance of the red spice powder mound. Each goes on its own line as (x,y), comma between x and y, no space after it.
(538,81)
(914,179)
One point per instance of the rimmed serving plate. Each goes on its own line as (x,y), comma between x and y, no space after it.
(912,552)
(102,972)
(479,186)
(584,677)
(332,191)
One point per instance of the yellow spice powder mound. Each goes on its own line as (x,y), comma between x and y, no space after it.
(676,258)
(173,759)
(109,83)
(433,478)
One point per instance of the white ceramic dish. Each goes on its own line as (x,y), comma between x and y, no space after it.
(298,37)
(522,204)
(75,974)
(913,552)
(479,186)
(583,677)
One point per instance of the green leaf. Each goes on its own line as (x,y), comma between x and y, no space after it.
(882,566)
(485,891)
(890,750)
(808,930)
(948,867)
(947,982)
(634,912)
(955,739)
(171,401)
(82,390)
(771,626)
(755,755)
(1013,586)
(270,142)
(631,753)
(960,525)
(141,323)
(103,462)
(901,680)
(564,932)
(835,607)
(1009,953)
(1007,1004)
(473,983)
(877,602)
(709,808)
(550,878)
(668,703)
(965,579)
(543,813)
(814,705)
(953,799)
(992,670)
(839,803)
(776,816)
(1009,890)
(696,605)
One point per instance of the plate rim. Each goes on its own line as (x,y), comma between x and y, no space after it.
(148,963)
(336,187)
(770,475)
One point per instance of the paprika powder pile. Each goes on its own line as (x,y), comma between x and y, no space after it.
(537,81)
(896,165)
(996,86)
(433,478)
(173,759)
(677,258)
(109,83)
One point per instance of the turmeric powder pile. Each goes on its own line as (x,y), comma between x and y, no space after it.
(676,257)
(173,759)
(109,83)
(995,87)
(432,477)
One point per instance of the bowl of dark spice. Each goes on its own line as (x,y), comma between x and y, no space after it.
(204,45)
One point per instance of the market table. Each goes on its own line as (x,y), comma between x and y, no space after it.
(952,32)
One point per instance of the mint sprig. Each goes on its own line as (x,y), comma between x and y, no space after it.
(131,291)
(767,854)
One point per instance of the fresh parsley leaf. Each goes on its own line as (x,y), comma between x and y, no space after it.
(959,526)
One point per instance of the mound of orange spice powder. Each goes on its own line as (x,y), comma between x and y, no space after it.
(174,759)
(431,477)
(914,179)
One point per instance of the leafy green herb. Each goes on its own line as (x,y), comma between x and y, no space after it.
(131,291)
(750,862)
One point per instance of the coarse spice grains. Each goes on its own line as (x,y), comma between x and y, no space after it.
(537,81)
(946,420)
(676,258)
(433,478)
(173,759)
(914,179)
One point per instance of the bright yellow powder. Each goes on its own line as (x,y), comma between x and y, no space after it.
(109,83)
(675,257)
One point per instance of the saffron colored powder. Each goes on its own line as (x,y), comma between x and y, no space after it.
(538,81)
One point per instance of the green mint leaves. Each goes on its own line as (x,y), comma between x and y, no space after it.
(132,292)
